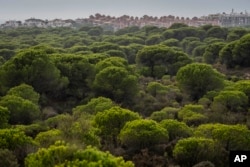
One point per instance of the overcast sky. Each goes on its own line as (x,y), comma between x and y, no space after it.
(72,9)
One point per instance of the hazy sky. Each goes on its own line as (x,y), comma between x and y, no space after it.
(72,9)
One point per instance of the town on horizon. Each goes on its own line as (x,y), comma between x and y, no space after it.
(112,23)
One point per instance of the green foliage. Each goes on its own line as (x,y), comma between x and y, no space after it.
(194,107)
(7,45)
(43,48)
(241,51)
(95,31)
(212,52)
(94,58)
(111,121)
(243,86)
(6,53)
(192,115)
(159,60)
(99,47)
(236,33)
(95,105)
(34,68)
(8,159)
(75,129)
(169,34)
(217,32)
(116,53)
(155,88)
(131,51)
(22,111)
(189,43)
(48,138)
(192,45)
(49,157)
(78,71)
(124,40)
(206,27)
(93,157)
(143,133)
(13,138)
(199,50)
(1,61)
(154,39)
(82,131)
(165,113)
(194,79)
(143,103)
(226,55)
(176,129)
(211,40)
(232,37)
(157,96)
(56,121)
(231,137)
(171,42)
(62,154)
(231,101)
(112,61)
(33,129)
(151,30)
(116,83)
(70,42)
(183,32)
(4,117)
(77,49)
(16,141)
(235,53)
(126,30)
(94,74)
(190,151)
(26,92)
(205,102)
(177,25)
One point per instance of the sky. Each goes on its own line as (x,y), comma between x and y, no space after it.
(72,9)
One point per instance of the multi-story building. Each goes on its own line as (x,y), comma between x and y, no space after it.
(11,24)
(234,19)
(32,22)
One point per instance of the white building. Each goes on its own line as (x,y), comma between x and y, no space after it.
(60,23)
(35,23)
(234,19)
(11,24)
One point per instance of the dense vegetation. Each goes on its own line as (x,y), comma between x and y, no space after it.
(153,96)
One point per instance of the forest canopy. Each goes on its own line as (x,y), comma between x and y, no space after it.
(139,96)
